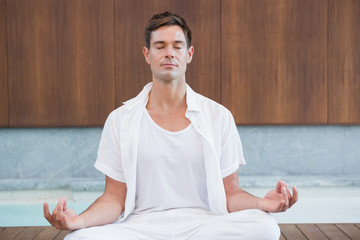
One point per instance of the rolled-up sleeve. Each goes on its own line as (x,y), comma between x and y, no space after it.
(108,159)
(232,156)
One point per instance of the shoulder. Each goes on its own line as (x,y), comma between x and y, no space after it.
(131,107)
(114,120)
(213,109)
(117,113)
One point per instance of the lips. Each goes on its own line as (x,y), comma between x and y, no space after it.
(168,65)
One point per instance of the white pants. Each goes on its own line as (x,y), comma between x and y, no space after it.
(191,224)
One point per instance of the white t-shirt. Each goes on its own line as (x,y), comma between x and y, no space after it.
(170,169)
(221,145)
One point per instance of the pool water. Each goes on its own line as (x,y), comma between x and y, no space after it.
(316,205)
(29,214)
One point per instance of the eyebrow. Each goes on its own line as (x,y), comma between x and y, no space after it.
(163,42)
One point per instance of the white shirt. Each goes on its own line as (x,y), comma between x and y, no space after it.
(118,149)
(170,169)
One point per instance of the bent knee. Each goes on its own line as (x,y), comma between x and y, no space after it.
(81,234)
(74,235)
(265,225)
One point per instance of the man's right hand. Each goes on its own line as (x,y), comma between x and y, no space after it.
(63,218)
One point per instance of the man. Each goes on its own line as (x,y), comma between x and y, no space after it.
(171,159)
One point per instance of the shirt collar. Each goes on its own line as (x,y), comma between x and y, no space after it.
(192,98)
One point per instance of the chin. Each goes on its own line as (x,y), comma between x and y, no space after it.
(168,77)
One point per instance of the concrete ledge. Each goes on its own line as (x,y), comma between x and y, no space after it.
(63,158)
(97,184)
(301,181)
(73,184)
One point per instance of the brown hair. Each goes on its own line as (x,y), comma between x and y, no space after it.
(166,19)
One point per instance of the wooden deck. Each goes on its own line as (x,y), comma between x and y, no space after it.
(288,231)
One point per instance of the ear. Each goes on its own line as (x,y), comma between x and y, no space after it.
(190,54)
(146,54)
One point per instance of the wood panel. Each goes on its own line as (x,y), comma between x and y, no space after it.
(312,232)
(290,231)
(350,230)
(61,62)
(274,61)
(132,72)
(344,62)
(62,235)
(10,232)
(24,235)
(332,231)
(4,117)
(47,233)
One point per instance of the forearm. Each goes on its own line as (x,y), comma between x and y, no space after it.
(239,199)
(105,210)
(277,200)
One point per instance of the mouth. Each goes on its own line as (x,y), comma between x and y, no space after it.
(168,65)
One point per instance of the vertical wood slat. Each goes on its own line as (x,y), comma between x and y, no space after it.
(62,235)
(43,91)
(332,231)
(274,61)
(28,233)
(282,237)
(10,233)
(350,230)
(47,233)
(61,64)
(344,62)
(311,231)
(132,72)
(4,111)
(290,231)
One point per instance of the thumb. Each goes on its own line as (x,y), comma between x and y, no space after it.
(64,204)
(278,186)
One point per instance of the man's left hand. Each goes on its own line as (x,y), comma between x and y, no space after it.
(279,199)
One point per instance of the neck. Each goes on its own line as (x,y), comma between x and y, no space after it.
(167,96)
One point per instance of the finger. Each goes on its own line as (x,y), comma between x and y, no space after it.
(65,204)
(278,186)
(295,196)
(47,214)
(46,210)
(283,184)
(281,206)
(285,198)
(60,210)
(288,192)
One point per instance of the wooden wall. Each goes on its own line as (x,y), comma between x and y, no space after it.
(60,61)
(70,62)
(275,61)
(344,62)
(4,111)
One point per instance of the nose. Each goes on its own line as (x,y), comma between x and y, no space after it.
(169,53)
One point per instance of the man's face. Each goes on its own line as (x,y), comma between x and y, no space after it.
(168,55)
